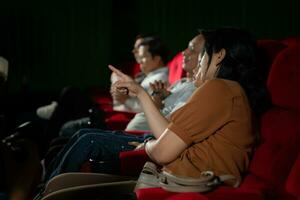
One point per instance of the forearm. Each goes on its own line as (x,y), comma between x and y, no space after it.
(157,122)
(165,149)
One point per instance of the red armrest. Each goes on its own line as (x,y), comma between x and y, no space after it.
(119,120)
(132,162)
(138,132)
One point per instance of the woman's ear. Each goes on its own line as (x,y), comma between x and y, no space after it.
(221,55)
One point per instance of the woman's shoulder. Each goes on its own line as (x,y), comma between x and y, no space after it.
(220,87)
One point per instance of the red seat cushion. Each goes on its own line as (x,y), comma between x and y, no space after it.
(293,182)
(132,162)
(223,193)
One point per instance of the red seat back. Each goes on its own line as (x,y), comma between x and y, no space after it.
(280,126)
(176,71)
(291,41)
(293,182)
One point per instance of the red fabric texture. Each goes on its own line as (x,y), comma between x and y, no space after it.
(291,41)
(176,71)
(293,182)
(280,146)
(280,126)
(268,50)
(158,193)
(118,120)
(223,193)
(284,79)
(132,162)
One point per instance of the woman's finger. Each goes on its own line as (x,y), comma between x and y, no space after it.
(134,143)
(117,71)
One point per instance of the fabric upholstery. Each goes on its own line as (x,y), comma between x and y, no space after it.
(284,80)
(280,126)
(132,162)
(293,181)
(118,120)
(176,71)
(291,41)
(280,146)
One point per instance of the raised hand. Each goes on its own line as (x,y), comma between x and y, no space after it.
(126,84)
(121,76)
(159,89)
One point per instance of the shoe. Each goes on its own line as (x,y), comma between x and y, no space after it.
(45,112)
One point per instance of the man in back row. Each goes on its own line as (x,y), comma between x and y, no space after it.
(152,57)
(151,54)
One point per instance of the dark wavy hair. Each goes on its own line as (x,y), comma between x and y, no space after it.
(239,63)
(156,47)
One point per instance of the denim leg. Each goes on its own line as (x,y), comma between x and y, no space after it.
(55,162)
(104,145)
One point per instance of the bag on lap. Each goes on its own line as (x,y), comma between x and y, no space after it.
(151,176)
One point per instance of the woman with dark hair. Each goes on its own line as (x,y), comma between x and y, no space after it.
(215,130)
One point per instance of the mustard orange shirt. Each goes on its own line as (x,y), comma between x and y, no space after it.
(216,124)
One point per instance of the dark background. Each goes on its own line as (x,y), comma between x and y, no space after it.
(53,43)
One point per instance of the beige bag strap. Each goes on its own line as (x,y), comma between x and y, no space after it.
(153,177)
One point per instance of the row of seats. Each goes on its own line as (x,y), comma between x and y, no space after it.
(274,171)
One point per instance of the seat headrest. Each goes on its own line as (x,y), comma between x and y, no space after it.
(284,78)
(291,41)
(176,71)
(268,50)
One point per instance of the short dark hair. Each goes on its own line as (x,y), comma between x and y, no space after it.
(239,63)
(156,47)
(141,36)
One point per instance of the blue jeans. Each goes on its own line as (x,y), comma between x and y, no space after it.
(95,144)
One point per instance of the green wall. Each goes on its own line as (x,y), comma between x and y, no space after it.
(53,43)
(177,21)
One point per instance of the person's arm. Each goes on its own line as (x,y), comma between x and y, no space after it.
(157,122)
(165,149)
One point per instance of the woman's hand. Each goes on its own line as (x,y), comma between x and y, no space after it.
(126,84)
